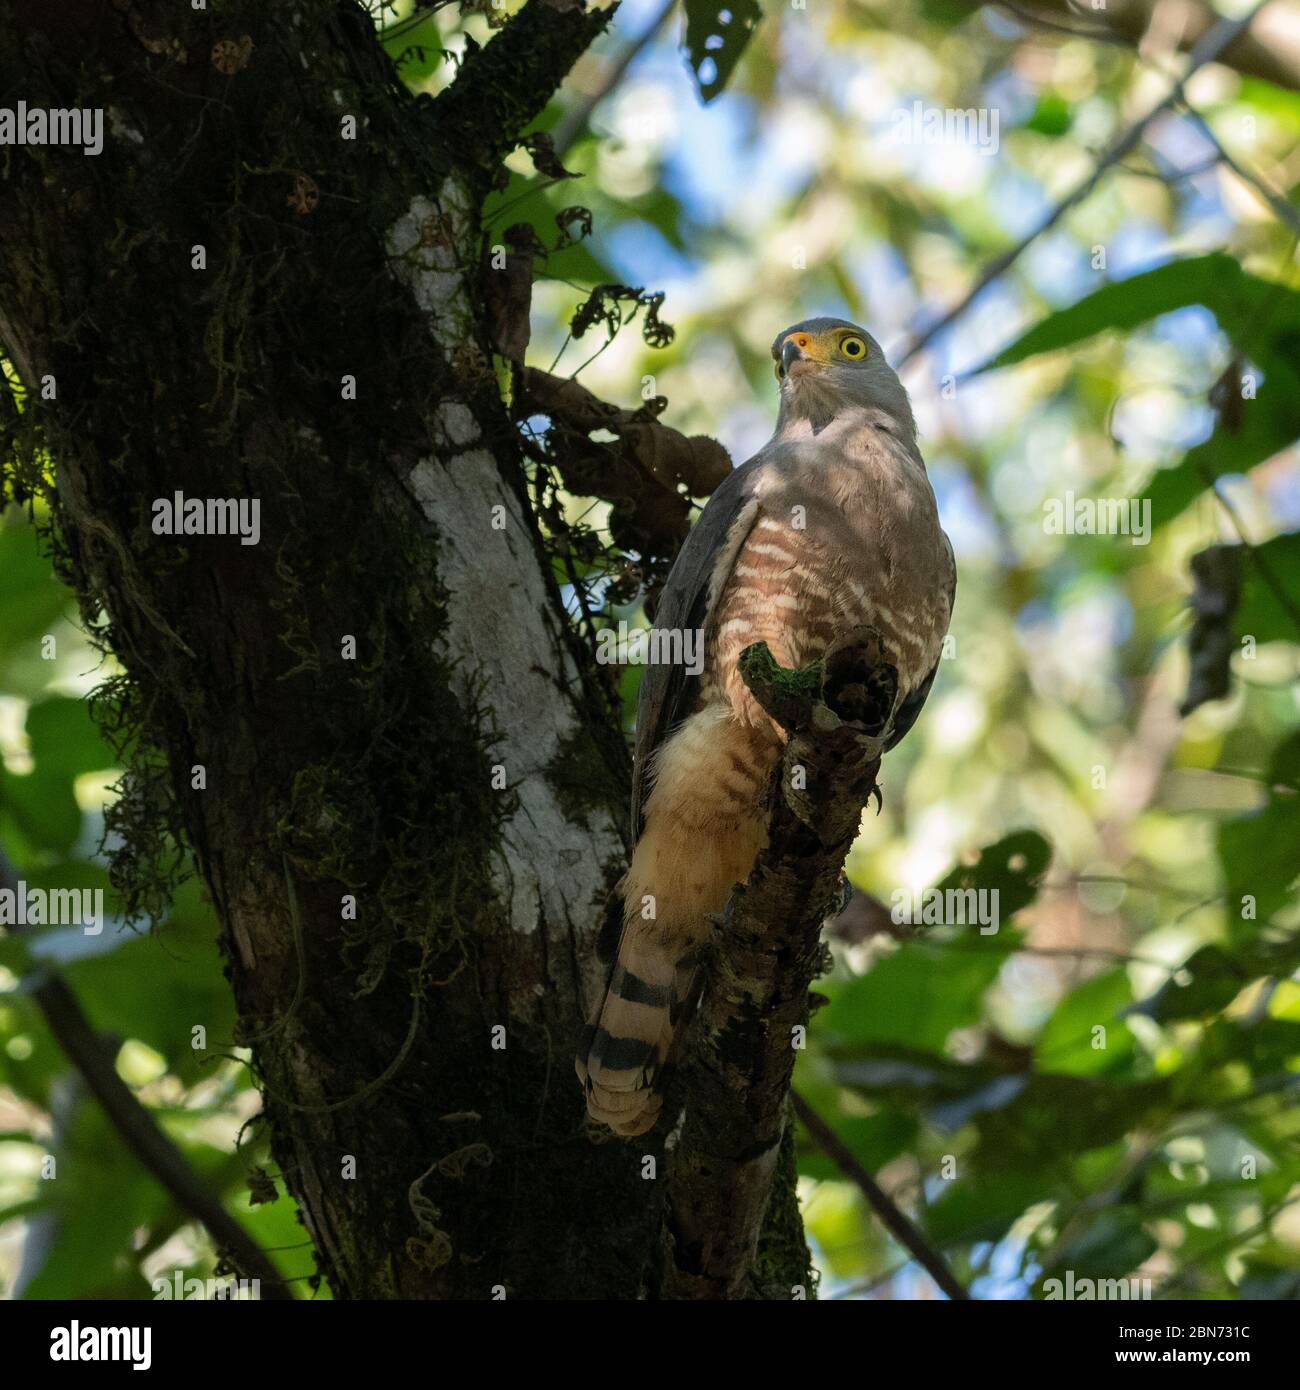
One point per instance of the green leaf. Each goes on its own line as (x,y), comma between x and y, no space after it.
(929,987)
(716,34)
(1213,977)
(98,1199)
(1012,868)
(1258,852)
(417,50)
(1107,1248)
(1215,281)
(1267,425)
(158,987)
(1270,1281)
(917,996)
(44,808)
(1266,1045)
(1262,614)
(1053,1119)
(52,944)
(1067,1043)
(64,738)
(1209,981)
(983,1209)
(1052,116)
(873,1139)
(31,598)
(64,744)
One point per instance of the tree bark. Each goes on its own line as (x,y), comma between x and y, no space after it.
(393,764)
(415,1060)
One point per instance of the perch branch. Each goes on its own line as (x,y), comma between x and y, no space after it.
(737,1078)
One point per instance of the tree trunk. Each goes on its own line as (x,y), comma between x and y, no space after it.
(397,774)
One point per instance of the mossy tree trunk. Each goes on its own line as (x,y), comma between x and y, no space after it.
(401,785)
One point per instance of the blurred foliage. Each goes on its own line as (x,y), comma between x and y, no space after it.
(1106,1082)
(79,1215)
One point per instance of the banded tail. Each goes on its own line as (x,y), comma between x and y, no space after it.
(626,1052)
(704,825)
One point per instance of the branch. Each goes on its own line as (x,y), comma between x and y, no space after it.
(1282,210)
(1272,51)
(641,473)
(94,1061)
(504,85)
(891,1218)
(769,950)
(1210,47)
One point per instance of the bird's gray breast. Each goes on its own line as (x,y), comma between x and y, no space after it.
(872,515)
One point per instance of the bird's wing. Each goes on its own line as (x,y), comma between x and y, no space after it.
(910,707)
(697,578)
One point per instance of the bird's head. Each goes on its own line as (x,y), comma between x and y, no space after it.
(826,366)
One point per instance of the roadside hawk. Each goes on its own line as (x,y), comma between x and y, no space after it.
(832,524)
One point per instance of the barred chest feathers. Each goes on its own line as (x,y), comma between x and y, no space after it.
(861,545)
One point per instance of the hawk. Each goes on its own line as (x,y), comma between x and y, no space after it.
(832,524)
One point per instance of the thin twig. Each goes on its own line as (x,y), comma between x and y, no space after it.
(1282,210)
(1211,46)
(893,1220)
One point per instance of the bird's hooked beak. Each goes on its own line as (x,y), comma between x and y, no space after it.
(791,352)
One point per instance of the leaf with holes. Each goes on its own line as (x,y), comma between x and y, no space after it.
(716,34)
(1012,868)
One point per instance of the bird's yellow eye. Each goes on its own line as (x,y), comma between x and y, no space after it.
(853,348)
